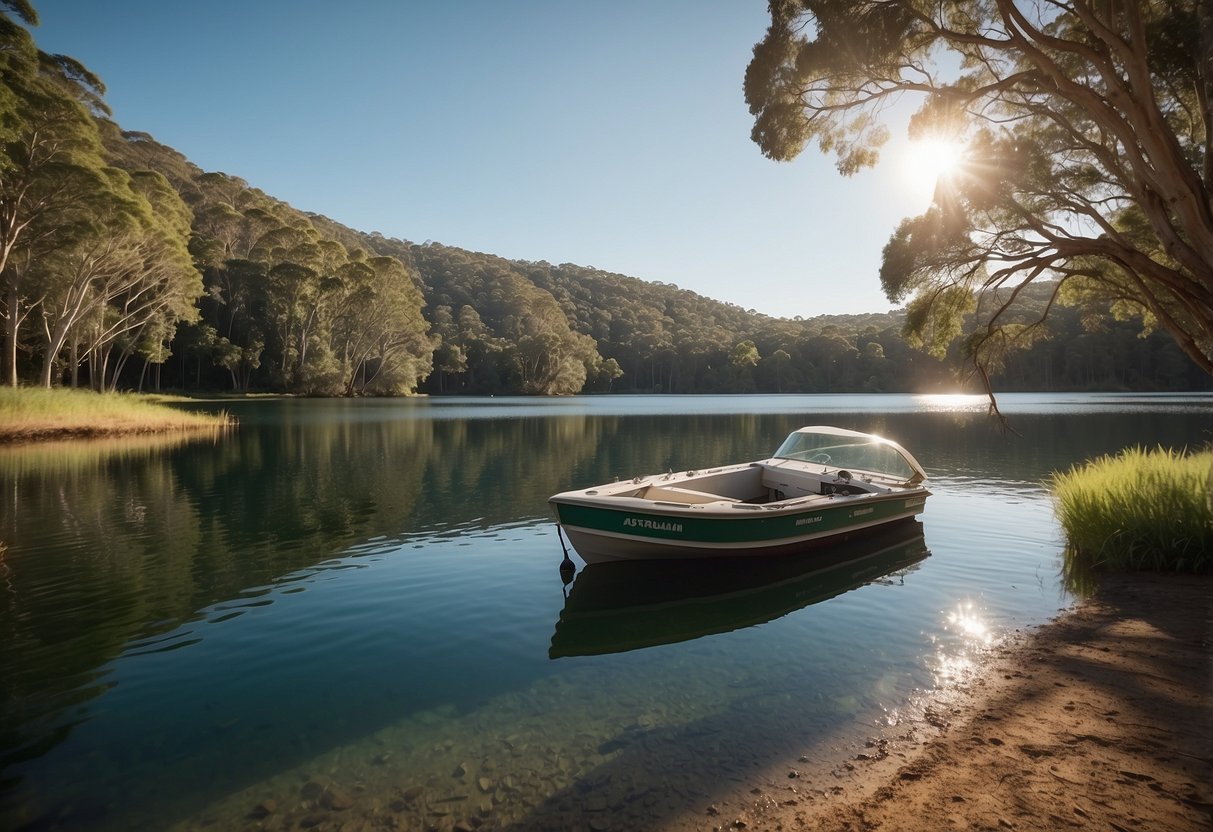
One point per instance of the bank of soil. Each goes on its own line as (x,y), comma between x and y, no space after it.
(1100,720)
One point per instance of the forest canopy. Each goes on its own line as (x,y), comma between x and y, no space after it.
(124,265)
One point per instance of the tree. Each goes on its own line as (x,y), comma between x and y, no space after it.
(1087,126)
(125,284)
(776,366)
(195,341)
(53,176)
(144,299)
(379,335)
(608,371)
(744,354)
(548,357)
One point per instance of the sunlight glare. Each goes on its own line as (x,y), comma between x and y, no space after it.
(939,157)
(967,622)
(955,657)
(929,160)
(952,402)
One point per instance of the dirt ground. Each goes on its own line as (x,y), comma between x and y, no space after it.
(1100,720)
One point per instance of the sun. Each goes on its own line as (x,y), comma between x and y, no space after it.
(929,162)
(935,158)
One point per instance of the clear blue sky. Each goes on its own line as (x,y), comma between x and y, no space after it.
(612,135)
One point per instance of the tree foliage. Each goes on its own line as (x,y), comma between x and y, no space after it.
(121,256)
(1087,127)
(51,170)
(287,305)
(91,257)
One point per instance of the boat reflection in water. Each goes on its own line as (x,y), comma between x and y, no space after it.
(618,606)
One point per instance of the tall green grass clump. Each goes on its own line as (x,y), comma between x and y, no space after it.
(1139,510)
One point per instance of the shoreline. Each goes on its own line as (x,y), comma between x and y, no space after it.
(52,434)
(1099,719)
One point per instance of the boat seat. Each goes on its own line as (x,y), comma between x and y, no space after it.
(674,494)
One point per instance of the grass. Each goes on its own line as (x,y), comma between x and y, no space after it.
(28,413)
(1139,511)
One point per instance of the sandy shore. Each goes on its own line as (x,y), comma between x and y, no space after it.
(1100,720)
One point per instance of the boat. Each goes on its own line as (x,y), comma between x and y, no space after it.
(822,484)
(634,604)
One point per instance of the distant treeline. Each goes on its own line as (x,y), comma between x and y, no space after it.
(480,324)
(298,303)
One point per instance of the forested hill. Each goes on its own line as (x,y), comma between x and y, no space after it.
(538,327)
(298,302)
(139,269)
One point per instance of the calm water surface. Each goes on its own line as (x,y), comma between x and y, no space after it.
(351,612)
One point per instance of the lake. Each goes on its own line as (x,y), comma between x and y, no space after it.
(351,612)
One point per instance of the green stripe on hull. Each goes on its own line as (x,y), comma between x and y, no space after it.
(754,526)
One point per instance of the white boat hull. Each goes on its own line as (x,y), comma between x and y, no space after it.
(771,507)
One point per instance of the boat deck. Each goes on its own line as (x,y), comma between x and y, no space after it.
(755,484)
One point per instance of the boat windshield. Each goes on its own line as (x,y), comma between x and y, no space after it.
(839,448)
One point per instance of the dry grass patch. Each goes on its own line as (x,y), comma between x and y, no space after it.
(36,413)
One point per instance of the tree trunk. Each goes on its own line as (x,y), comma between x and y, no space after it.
(119,366)
(10,337)
(54,342)
(1205,92)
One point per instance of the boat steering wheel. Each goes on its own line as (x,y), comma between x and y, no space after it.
(823,457)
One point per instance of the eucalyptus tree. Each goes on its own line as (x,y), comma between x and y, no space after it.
(654,341)
(378,332)
(449,356)
(230,219)
(241,360)
(257,258)
(123,285)
(290,257)
(163,291)
(739,372)
(53,173)
(1086,127)
(609,371)
(482,350)
(547,355)
(774,371)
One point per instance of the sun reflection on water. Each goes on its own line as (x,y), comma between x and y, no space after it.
(969,623)
(954,659)
(952,402)
(956,656)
